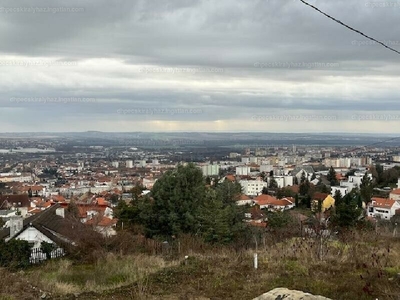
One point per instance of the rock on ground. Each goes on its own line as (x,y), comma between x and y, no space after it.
(286,294)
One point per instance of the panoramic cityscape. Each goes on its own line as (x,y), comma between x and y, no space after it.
(199,150)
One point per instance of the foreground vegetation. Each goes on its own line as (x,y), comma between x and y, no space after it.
(358,265)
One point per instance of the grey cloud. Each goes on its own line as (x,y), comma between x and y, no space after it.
(229,34)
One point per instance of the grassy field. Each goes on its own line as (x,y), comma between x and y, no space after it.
(358,266)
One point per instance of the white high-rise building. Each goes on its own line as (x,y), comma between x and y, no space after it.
(115,164)
(210,170)
(142,163)
(253,187)
(244,171)
(253,159)
(129,164)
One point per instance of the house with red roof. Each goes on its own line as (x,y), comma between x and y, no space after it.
(98,214)
(256,217)
(273,204)
(382,208)
(104,225)
(244,200)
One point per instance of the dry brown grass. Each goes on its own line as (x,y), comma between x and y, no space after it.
(15,286)
(110,272)
(358,265)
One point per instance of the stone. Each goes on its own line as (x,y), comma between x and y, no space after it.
(286,294)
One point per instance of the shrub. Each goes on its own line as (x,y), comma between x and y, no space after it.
(15,254)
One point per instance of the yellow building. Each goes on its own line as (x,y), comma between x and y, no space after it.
(327,203)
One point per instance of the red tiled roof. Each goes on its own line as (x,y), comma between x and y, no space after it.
(319,196)
(19,200)
(33,188)
(230,178)
(396,192)
(103,222)
(58,198)
(102,202)
(270,200)
(83,210)
(340,176)
(382,202)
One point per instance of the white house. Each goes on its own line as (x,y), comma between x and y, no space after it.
(342,189)
(354,181)
(49,226)
(298,171)
(383,208)
(244,200)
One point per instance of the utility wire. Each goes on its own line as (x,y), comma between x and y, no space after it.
(349,27)
(368,37)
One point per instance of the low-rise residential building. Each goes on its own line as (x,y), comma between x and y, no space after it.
(342,189)
(273,204)
(354,181)
(327,202)
(244,200)
(298,172)
(383,208)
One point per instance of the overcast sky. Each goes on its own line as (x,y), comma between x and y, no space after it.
(226,65)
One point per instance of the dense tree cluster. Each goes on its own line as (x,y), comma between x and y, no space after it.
(348,210)
(385,178)
(181,202)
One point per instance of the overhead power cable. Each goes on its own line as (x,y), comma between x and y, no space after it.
(349,27)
